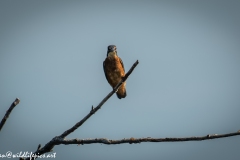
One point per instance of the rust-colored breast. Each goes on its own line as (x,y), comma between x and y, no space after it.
(114,72)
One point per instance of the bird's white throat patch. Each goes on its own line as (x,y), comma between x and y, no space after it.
(112,54)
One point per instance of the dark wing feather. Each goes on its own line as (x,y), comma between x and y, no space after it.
(105,70)
(121,63)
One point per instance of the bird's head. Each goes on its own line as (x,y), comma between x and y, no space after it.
(112,51)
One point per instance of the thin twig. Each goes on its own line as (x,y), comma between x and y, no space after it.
(56,140)
(9,112)
(139,140)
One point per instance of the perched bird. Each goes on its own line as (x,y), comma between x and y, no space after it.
(114,70)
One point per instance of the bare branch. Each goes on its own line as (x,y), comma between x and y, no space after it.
(93,110)
(56,140)
(148,139)
(9,112)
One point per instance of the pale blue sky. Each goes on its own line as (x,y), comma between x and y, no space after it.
(187,82)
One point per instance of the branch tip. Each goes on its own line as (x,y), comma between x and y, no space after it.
(17,101)
(39,147)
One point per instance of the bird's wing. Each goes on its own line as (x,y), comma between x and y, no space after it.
(105,70)
(121,63)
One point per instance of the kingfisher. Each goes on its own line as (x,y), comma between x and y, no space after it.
(114,70)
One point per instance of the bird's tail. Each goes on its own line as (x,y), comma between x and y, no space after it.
(122,93)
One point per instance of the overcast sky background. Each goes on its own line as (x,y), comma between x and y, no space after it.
(186,84)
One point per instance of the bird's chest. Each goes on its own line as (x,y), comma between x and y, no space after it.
(113,67)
